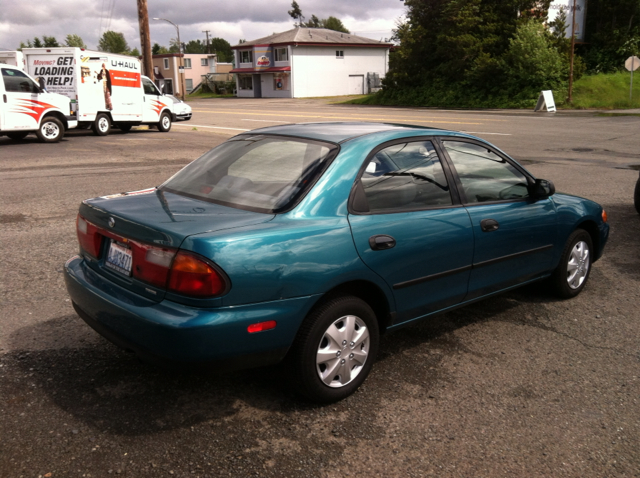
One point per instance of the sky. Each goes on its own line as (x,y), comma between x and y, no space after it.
(232,20)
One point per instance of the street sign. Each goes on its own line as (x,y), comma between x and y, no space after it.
(632,63)
(181,69)
(545,101)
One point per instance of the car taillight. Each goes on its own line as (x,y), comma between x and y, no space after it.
(88,237)
(152,264)
(194,276)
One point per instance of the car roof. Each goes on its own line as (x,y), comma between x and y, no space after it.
(339,132)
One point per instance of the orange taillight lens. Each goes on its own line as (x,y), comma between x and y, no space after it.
(194,276)
(604,216)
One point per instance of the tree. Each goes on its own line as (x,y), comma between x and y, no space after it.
(157,49)
(73,40)
(113,42)
(135,52)
(333,23)
(50,42)
(222,48)
(296,13)
(195,46)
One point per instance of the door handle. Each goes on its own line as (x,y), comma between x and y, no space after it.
(382,242)
(489,225)
(4,97)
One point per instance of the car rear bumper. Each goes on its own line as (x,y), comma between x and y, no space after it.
(172,333)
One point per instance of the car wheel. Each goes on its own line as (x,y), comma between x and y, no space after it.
(51,130)
(18,136)
(102,125)
(164,124)
(335,349)
(636,196)
(125,127)
(572,273)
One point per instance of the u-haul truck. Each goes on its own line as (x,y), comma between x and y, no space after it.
(25,107)
(106,89)
(13,58)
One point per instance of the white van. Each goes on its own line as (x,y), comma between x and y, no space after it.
(105,89)
(26,108)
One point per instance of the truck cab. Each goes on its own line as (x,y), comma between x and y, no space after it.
(26,107)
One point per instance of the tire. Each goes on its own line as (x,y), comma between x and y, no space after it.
(102,125)
(636,196)
(125,127)
(334,349)
(18,136)
(164,124)
(51,130)
(572,273)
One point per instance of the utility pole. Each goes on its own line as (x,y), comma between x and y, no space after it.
(206,32)
(145,39)
(573,47)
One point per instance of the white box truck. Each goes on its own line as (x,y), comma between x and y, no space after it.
(26,107)
(105,89)
(13,58)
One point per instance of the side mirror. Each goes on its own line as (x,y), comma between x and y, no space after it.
(542,189)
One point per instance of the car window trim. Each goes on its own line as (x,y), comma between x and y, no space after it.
(463,196)
(453,190)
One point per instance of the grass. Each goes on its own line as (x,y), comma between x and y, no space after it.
(606,91)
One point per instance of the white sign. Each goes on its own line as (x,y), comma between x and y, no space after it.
(567,6)
(545,100)
(632,63)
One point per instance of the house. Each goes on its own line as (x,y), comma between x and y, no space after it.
(196,66)
(306,62)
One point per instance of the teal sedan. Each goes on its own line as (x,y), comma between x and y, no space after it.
(306,242)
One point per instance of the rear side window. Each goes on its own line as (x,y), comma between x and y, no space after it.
(486,176)
(406,176)
(258,173)
(16,81)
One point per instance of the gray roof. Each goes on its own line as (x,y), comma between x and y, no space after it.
(313,35)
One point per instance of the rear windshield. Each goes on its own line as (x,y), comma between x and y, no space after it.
(259,173)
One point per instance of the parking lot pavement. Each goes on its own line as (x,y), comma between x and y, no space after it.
(518,385)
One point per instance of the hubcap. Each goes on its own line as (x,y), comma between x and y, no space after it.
(342,351)
(165,122)
(103,124)
(50,130)
(578,265)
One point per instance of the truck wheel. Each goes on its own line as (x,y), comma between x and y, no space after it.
(124,127)
(51,130)
(102,125)
(18,136)
(164,124)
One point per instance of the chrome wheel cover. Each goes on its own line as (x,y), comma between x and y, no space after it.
(103,124)
(50,130)
(342,351)
(578,265)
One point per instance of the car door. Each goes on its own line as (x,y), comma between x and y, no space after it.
(21,108)
(409,227)
(152,104)
(514,234)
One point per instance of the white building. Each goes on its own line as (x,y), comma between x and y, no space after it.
(306,62)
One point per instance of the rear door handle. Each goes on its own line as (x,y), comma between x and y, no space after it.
(4,97)
(381,242)
(489,225)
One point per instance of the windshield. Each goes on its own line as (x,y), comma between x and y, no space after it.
(259,173)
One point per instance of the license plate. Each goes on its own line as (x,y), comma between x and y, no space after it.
(119,258)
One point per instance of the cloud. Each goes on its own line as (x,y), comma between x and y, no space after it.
(249,19)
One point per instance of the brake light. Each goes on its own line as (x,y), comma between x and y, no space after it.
(194,276)
(88,237)
(151,264)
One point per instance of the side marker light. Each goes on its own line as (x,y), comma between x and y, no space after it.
(262,326)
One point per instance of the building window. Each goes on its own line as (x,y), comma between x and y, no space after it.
(204,62)
(246,56)
(188,84)
(187,62)
(166,63)
(340,54)
(282,54)
(245,82)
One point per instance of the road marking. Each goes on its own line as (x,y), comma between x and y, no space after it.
(212,127)
(482,132)
(349,118)
(264,121)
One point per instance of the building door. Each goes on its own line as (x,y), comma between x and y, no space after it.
(356,84)
(168,86)
(257,86)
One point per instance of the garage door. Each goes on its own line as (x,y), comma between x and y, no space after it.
(356,84)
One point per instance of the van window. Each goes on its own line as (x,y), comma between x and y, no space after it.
(17,81)
(149,87)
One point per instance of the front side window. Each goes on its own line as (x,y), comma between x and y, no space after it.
(246,56)
(486,176)
(149,87)
(258,173)
(281,54)
(405,176)
(16,81)
(187,62)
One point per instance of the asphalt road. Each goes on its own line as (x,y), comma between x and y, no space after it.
(519,385)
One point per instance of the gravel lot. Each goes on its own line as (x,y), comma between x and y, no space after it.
(518,385)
